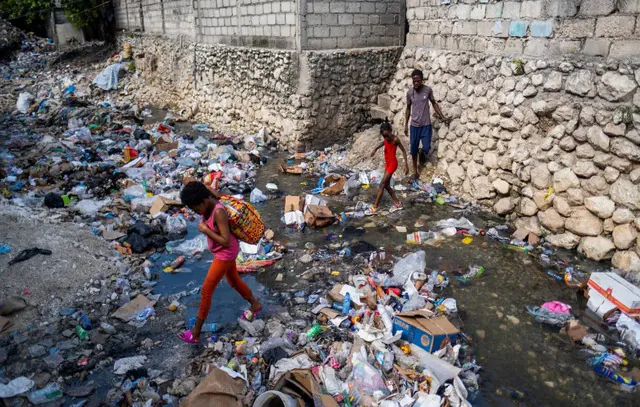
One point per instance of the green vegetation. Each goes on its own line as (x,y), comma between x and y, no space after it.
(81,13)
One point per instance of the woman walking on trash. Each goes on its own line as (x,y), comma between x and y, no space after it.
(225,248)
(390,143)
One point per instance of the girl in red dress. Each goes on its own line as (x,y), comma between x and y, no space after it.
(390,144)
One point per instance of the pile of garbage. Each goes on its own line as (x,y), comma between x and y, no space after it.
(387,338)
(10,37)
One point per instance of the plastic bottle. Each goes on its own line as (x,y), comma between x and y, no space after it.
(387,319)
(257,381)
(346,304)
(82,334)
(315,330)
(49,393)
(179,261)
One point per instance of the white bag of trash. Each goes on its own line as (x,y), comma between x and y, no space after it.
(108,78)
(89,207)
(24,101)
(17,386)
(462,223)
(257,196)
(403,269)
(123,365)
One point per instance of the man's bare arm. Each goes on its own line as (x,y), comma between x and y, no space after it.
(407,115)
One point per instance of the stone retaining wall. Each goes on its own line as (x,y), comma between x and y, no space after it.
(313,98)
(527,27)
(553,145)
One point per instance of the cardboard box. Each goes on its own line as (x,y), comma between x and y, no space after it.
(161,204)
(336,188)
(318,216)
(424,330)
(608,291)
(165,143)
(292,203)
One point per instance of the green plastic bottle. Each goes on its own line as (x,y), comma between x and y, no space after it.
(315,330)
(82,334)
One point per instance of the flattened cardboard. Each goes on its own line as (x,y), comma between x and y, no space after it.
(134,306)
(161,204)
(165,143)
(292,203)
(216,389)
(294,169)
(336,188)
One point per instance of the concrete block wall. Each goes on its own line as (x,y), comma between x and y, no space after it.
(330,24)
(152,11)
(134,22)
(254,23)
(120,10)
(178,18)
(604,28)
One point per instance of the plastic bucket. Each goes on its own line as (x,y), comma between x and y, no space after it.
(274,398)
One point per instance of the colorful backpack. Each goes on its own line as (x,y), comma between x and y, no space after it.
(244,219)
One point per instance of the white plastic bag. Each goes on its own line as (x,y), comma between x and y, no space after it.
(462,223)
(24,101)
(90,207)
(188,247)
(175,225)
(404,268)
(134,191)
(108,78)
(365,377)
(364,179)
(257,196)
(122,366)
(351,187)
(17,386)
(375,177)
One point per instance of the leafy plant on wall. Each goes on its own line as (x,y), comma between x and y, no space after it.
(81,13)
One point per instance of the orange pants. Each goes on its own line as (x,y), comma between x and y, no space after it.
(218,270)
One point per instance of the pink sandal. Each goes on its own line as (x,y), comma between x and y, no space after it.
(187,336)
(249,315)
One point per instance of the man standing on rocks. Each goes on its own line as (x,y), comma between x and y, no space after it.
(418,98)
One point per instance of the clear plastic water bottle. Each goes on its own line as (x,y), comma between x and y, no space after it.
(212,327)
(49,393)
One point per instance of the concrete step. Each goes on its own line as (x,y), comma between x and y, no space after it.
(377,112)
(384,101)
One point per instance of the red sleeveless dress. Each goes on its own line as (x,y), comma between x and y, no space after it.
(390,160)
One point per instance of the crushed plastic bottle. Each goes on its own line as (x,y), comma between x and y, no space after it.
(47,394)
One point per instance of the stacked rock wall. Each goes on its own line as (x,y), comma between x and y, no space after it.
(546,131)
(553,145)
(314,98)
(527,27)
